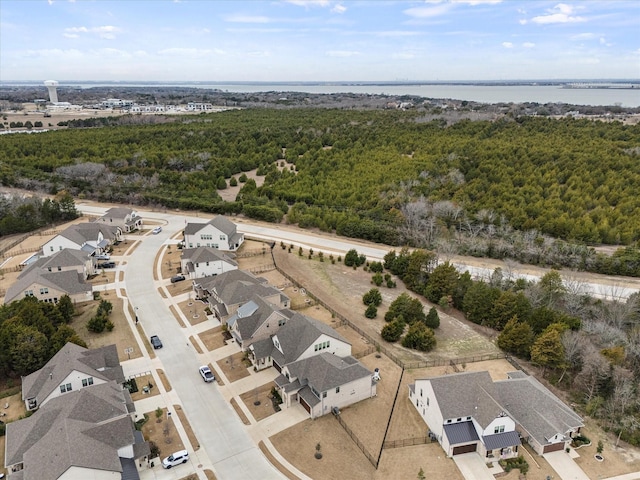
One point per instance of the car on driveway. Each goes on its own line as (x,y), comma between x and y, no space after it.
(156,230)
(107,265)
(175,459)
(206,374)
(155,341)
(103,256)
(177,278)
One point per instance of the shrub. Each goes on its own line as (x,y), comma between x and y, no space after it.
(516,462)
(371,311)
(351,258)
(372,297)
(376,279)
(97,323)
(392,331)
(155,450)
(376,267)
(432,320)
(419,337)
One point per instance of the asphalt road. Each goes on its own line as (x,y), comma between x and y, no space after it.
(221,433)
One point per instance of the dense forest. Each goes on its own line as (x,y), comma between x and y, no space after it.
(588,347)
(20,214)
(504,188)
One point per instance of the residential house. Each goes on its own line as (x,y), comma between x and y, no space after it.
(469,412)
(85,434)
(71,369)
(206,262)
(300,337)
(324,382)
(226,292)
(49,287)
(126,218)
(64,260)
(218,232)
(256,320)
(90,237)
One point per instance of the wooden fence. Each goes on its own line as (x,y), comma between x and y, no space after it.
(406,442)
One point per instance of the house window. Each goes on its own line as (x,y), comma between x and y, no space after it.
(51,247)
(449,421)
(459,420)
(427,401)
(207,264)
(87,381)
(65,388)
(420,392)
(28,293)
(44,291)
(59,269)
(499,429)
(337,389)
(49,268)
(324,394)
(468,418)
(223,237)
(281,322)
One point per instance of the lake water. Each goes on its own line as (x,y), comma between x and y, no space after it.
(519,93)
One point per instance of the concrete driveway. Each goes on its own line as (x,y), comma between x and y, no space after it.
(473,467)
(564,466)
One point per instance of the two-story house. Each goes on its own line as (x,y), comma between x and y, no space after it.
(256,320)
(90,237)
(218,232)
(469,412)
(72,368)
(49,278)
(325,381)
(225,293)
(126,218)
(206,262)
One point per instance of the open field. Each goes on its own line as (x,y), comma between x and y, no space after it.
(121,334)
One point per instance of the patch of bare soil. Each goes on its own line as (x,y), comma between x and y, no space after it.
(212,338)
(165,381)
(406,462)
(233,366)
(239,411)
(162,431)
(341,458)
(194,310)
(193,440)
(144,381)
(121,335)
(262,396)
(274,461)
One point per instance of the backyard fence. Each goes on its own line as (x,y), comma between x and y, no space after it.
(358,443)
(406,442)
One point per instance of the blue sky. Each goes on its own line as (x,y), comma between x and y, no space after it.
(318,40)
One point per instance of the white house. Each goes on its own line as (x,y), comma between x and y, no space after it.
(469,412)
(72,368)
(126,218)
(85,434)
(298,338)
(90,237)
(325,381)
(218,233)
(205,262)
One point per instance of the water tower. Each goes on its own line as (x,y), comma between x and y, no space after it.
(51,86)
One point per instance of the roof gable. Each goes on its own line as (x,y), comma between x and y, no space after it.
(326,371)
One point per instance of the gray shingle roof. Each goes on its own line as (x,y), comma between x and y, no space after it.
(463,432)
(257,313)
(221,223)
(65,432)
(81,233)
(69,281)
(67,257)
(467,394)
(72,357)
(207,254)
(539,411)
(528,402)
(327,371)
(299,333)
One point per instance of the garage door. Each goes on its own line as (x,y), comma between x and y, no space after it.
(465,449)
(305,405)
(554,447)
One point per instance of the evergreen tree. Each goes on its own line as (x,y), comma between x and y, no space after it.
(432,320)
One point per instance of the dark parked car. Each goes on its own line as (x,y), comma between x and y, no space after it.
(107,265)
(155,341)
(177,278)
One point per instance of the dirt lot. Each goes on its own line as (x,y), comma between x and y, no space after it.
(121,335)
(193,310)
(233,367)
(262,395)
(163,433)
(212,338)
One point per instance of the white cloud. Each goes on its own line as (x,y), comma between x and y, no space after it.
(528,45)
(583,36)
(339,9)
(105,31)
(561,13)
(427,12)
(247,19)
(342,53)
(309,3)
(507,44)
(477,2)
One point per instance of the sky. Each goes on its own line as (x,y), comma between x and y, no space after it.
(318,40)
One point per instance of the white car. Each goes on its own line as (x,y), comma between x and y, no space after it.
(206,374)
(103,256)
(156,230)
(176,459)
